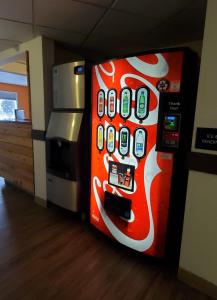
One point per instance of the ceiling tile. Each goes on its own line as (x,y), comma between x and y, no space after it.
(187,26)
(156,8)
(73,38)
(15,31)
(122,27)
(66,14)
(20,10)
(110,48)
(104,3)
(136,34)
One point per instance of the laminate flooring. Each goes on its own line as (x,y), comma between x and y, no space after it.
(49,254)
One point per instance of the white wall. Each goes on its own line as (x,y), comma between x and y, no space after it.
(199,242)
(48,62)
(39,154)
(40,70)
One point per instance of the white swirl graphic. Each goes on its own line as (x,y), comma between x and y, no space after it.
(132,217)
(160,69)
(153,114)
(151,169)
(112,73)
(100,81)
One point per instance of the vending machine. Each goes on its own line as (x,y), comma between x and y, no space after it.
(142,122)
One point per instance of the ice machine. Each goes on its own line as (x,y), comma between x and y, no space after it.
(67,137)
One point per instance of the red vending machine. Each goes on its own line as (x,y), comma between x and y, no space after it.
(142,120)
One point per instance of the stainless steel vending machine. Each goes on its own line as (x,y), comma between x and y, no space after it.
(66,138)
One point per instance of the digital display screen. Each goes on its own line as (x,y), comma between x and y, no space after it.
(171,123)
(79,70)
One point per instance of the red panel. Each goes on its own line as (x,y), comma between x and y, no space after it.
(146,231)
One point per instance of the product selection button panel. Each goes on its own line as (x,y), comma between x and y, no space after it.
(169,122)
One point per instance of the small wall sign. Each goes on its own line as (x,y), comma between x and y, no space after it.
(206,138)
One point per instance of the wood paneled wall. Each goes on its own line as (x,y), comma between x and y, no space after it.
(16,154)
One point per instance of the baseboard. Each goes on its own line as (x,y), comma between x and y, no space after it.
(40,201)
(198,283)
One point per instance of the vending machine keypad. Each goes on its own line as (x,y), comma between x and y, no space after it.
(169,121)
(171,139)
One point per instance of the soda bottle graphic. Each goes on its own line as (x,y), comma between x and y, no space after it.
(110,139)
(141,108)
(100,139)
(125,103)
(120,178)
(112,104)
(101,105)
(127,178)
(124,139)
(139,144)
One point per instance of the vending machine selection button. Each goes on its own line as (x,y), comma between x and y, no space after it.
(140,141)
(171,139)
(101,103)
(142,103)
(112,103)
(110,139)
(100,137)
(125,103)
(124,141)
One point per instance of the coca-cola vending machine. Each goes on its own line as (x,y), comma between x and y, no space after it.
(142,120)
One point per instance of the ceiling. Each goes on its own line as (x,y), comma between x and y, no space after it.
(110,27)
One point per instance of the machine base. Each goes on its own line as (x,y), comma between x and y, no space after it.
(63,192)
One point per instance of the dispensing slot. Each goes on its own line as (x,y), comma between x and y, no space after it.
(118,205)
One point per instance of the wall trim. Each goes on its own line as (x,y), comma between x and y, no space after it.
(197,282)
(40,201)
(38,135)
(202,162)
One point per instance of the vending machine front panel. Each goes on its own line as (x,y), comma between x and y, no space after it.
(131,126)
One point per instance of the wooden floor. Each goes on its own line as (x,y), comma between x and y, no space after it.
(46,254)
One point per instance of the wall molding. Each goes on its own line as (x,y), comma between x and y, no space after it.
(40,201)
(38,135)
(198,283)
(202,162)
